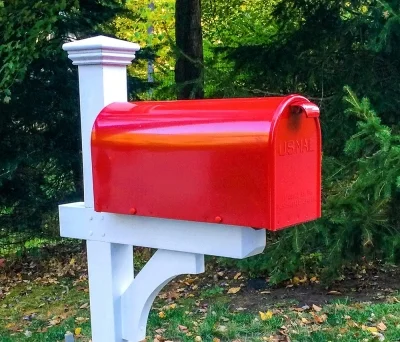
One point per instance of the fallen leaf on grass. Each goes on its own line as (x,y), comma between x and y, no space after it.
(84,306)
(189,281)
(305,320)
(158,338)
(352,324)
(320,318)
(276,338)
(81,319)
(334,293)
(370,329)
(13,327)
(183,328)
(55,321)
(198,339)
(316,308)
(216,339)
(303,308)
(266,315)
(240,309)
(237,275)
(295,280)
(222,328)
(381,326)
(161,314)
(78,331)
(234,290)
(169,307)
(393,300)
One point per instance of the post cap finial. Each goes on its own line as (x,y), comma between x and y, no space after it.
(101,50)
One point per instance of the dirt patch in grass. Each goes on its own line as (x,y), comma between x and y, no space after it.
(368,283)
(350,290)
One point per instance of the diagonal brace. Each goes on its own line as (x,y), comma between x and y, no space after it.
(136,301)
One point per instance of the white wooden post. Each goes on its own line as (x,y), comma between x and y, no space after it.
(102,65)
(120,303)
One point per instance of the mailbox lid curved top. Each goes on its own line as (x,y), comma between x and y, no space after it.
(229,119)
(199,160)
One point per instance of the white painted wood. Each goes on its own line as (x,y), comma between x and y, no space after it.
(101,50)
(76,221)
(102,65)
(120,303)
(110,269)
(138,298)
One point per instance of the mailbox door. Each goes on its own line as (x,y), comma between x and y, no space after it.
(296,174)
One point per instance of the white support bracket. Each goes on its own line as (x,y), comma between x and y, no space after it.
(120,303)
(138,298)
(79,222)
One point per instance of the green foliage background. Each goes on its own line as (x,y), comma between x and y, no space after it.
(334,52)
(40,162)
(319,49)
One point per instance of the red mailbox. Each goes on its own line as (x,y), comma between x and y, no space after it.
(249,162)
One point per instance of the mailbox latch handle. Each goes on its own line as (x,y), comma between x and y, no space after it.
(311,109)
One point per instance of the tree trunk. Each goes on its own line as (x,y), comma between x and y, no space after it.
(189,42)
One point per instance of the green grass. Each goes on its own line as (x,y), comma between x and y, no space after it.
(343,323)
(212,292)
(46,309)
